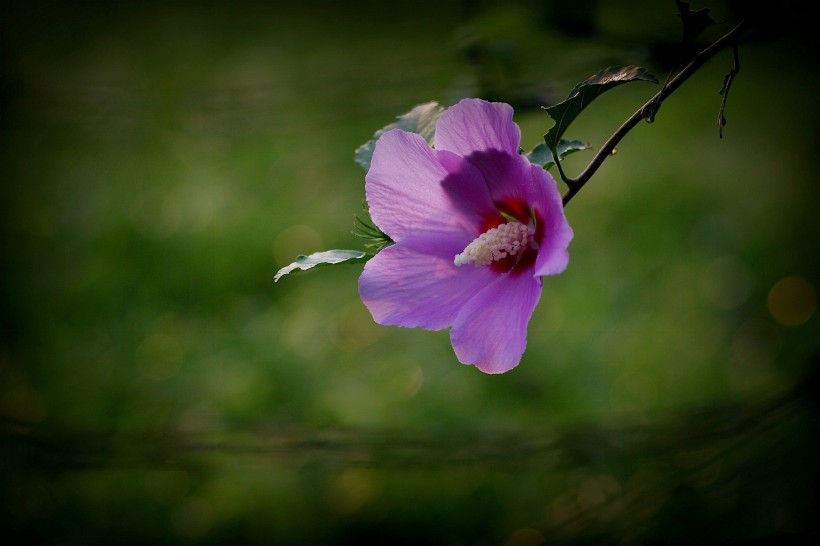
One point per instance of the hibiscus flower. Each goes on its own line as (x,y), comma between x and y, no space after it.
(475,227)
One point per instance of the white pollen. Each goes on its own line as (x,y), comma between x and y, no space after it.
(495,244)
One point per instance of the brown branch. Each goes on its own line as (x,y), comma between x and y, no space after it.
(648,110)
(727,84)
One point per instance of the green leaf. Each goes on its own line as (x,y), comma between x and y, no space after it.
(420,120)
(541,154)
(694,22)
(585,92)
(329,257)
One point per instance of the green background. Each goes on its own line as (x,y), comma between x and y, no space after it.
(162,160)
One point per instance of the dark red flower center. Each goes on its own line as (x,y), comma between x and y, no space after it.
(518,210)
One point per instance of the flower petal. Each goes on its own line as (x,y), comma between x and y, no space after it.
(405,193)
(467,189)
(507,176)
(474,125)
(491,329)
(553,256)
(415,283)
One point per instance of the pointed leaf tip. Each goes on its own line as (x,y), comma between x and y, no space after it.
(542,155)
(328,257)
(420,120)
(694,22)
(564,113)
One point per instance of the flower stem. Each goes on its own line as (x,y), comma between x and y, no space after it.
(647,111)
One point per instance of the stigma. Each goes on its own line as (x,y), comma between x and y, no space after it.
(495,244)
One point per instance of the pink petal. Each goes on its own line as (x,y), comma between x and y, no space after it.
(553,256)
(467,189)
(491,329)
(416,284)
(405,193)
(474,125)
(506,175)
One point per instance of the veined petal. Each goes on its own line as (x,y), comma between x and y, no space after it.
(435,203)
(467,189)
(415,283)
(474,125)
(404,189)
(490,331)
(506,175)
(553,256)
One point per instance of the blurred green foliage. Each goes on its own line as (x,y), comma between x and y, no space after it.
(162,160)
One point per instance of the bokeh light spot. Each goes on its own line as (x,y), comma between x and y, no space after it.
(353,489)
(750,361)
(792,301)
(591,493)
(159,357)
(525,537)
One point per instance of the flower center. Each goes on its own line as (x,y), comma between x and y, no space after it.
(495,244)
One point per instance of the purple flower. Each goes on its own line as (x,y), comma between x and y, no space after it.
(475,225)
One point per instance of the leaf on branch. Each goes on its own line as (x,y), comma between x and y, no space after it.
(329,257)
(694,22)
(420,120)
(542,155)
(585,92)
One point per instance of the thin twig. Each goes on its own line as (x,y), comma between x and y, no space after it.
(727,84)
(649,113)
(651,107)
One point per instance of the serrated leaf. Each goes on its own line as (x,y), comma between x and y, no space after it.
(694,22)
(542,155)
(420,120)
(585,92)
(328,257)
